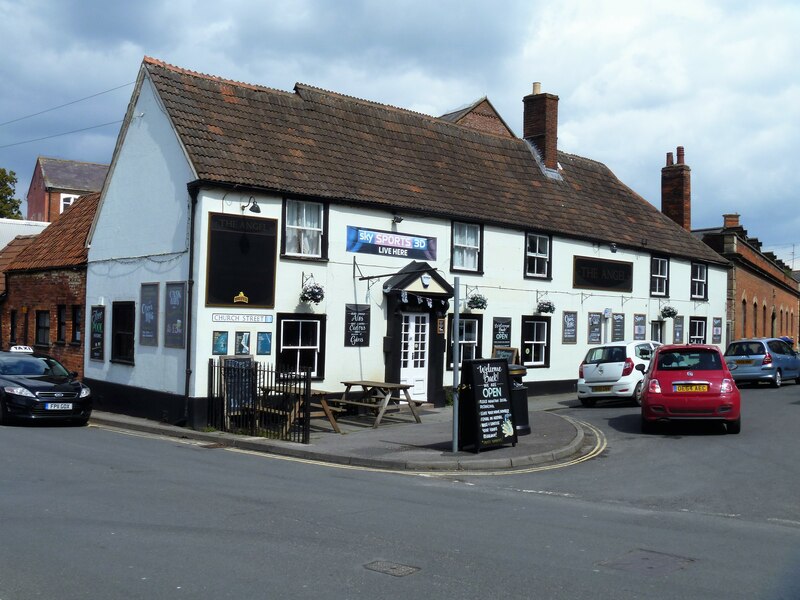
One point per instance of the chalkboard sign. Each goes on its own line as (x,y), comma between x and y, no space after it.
(569,327)
(175,316)
(595,327)
(507,353)
(239,379)
(677,330)
(97,333)
(148,315)
(501,331)
(485,415)
(356,325)
(617,327)
(716,330)
(639,327)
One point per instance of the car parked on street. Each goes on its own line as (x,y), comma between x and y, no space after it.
(609,371)
(687,383)
(37,387)
(754,360)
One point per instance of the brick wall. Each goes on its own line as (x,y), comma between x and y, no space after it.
(752,289)
(29,292)
(540,125)
(36,197)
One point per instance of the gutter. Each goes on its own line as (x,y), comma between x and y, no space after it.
(193,188)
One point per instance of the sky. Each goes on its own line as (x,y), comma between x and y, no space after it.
(634,79)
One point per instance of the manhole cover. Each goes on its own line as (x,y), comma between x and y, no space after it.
(648,562)
(390,568)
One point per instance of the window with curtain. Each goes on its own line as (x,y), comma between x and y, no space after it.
(303,229)
(466,247)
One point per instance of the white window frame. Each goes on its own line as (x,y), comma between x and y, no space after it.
(537,255)
(699,281)
(463,249)
(659,275)
(66,201)
(697,330)
(537,345)
(468,338)
(298,231)
(298,347)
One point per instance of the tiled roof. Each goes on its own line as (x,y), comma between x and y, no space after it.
(330,146)
(72,175)
(10,252)
(63,243)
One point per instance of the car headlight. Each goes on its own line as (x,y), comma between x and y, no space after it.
(85,391)
(18,391)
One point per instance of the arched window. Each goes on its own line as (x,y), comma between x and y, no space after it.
(755,319)
(744,318)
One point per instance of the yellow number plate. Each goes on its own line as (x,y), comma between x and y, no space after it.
(690,388)
(744,362)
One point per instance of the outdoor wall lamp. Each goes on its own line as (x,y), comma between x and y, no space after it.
(613,247)
(253,204)
(397,219)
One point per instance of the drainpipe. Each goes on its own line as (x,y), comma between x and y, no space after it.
(193,188)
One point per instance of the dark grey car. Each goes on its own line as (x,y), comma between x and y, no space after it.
(762,359)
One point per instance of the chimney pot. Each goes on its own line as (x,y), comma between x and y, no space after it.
(731,220)
(537,87)
(680,155)
(676,191)
(670,160)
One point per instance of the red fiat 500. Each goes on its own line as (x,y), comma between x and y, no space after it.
(690,382)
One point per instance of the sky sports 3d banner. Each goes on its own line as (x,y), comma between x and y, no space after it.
(389,243)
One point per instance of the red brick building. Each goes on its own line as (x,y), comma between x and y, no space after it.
(56,183)
(45,288)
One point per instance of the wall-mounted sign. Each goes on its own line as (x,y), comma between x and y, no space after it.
(219,343)
(617,327)
(639,327)
(264,342)
(234,318)
(569,327)
(598,274)
(595,328)
(148,315)
(390,243)
(716,330)
(97,333)
(677,330)
(242,343)
(175,315)
(356,325)
(501,331)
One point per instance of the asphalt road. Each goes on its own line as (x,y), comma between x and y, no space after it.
(687,513)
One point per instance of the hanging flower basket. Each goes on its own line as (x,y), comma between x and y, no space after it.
(668,312)
(477,301)
(312,293)
(545,306)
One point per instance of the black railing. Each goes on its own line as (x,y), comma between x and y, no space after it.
(251,398)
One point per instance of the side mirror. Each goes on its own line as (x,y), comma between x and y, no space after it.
(732,366)
(640,368)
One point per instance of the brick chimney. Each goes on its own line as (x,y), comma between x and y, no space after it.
(676,191)
(731,220)
(540,124)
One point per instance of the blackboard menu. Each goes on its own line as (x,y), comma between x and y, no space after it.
(356,325)
(716,330)
(677,330)
(485,417)
(617,327)
(639,327)
(501,331)
(175,316)
(239,378)
(569,327)
(97,333)
(148,315)
(595,327)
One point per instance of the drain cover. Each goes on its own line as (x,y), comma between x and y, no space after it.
(648,562)
(390,568)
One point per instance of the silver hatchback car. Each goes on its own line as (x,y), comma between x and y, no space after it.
(762,359)
(609,371)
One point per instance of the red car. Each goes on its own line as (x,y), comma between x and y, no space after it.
(690,382)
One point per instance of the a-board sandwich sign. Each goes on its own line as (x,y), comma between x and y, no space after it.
(485,411)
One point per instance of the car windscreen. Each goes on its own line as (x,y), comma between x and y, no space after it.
(699,360)
(744,349)
(605,354)
(31,366)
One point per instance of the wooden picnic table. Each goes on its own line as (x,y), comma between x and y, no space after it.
(376,395)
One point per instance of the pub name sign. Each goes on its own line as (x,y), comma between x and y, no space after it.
(598,274)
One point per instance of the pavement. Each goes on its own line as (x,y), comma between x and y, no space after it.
(401,444)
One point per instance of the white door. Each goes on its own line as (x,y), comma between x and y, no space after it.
(414,354)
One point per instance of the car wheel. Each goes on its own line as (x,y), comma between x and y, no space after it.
(778,380)
(734,426)
(588,402)
(648,426)
(637,393)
